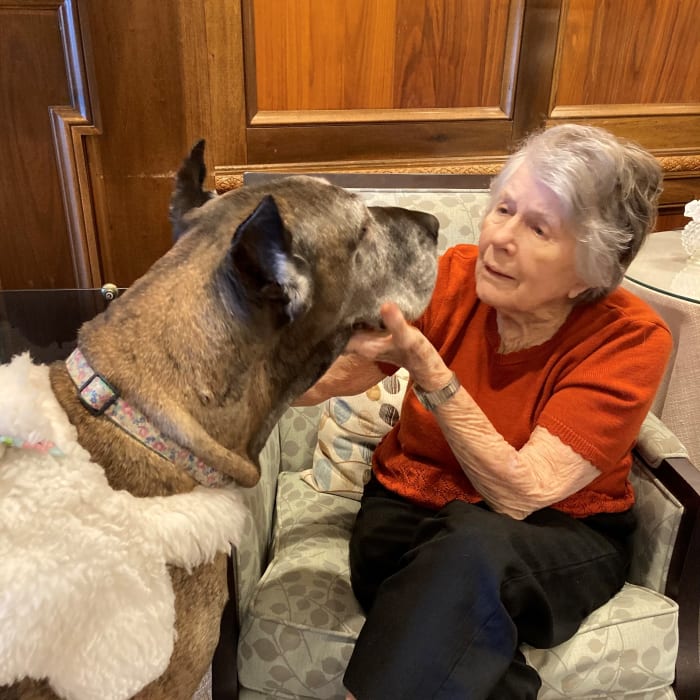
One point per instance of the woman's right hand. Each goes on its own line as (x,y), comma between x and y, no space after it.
(403,345)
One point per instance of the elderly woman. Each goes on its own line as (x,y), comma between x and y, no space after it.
(500,510)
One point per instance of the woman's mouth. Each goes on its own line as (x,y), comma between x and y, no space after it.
(497,273)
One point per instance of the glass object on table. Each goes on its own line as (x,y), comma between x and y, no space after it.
(663,265)
(690,235)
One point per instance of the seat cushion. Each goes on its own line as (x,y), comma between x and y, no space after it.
(299,630)
(624,648)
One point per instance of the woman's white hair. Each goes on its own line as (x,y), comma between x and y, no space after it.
(609,191)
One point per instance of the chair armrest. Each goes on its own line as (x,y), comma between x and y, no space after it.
(656,442)
(682,478)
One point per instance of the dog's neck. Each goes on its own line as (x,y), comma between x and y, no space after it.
(218,387)
(100,398)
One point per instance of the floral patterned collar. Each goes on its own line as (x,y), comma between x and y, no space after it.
(102,399)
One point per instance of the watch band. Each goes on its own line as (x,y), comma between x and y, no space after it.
(432,399)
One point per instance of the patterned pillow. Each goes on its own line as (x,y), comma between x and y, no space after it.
(349,429)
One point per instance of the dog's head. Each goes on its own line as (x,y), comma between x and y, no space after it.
(257,297)
(300,251)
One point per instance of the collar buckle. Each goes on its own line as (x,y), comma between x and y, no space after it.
(97,394)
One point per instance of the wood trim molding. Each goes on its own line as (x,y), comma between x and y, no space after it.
(331,116)
(680,163)
(30,4)
(538,51)
(682,173)
(70,124)
(571,112)
(230,177)
(511,56)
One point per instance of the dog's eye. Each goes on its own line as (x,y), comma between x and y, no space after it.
(354,243)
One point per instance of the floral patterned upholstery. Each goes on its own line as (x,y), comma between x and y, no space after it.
(626,647)
(299,618)
(298,633)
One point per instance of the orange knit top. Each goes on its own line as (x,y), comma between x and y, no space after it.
(591,385)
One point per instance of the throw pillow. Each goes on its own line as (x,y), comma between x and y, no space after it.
(349,429)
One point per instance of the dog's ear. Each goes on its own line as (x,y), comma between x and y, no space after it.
(262,263)
(188,193)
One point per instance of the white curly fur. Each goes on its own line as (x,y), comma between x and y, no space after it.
(86,600)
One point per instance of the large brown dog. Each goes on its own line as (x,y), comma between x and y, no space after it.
(250,306)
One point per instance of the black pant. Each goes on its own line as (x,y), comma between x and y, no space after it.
(449,595)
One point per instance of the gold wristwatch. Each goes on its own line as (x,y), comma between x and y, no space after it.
(432,399)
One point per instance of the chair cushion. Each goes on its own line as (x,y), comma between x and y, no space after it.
(459,211)
(299,630)
(627,646)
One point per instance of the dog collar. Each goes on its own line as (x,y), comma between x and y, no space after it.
(102,399)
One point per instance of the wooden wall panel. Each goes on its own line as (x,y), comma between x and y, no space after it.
(389,60)
(133,160)
(36,249)
(352,142)
(633,67)
(639,53)
(166,74)
(315,54)
(451,54)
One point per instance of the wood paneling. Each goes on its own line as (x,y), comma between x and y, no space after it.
(167,73)
(633,67)
(371,141)
(315,54)
(389,60)
(101,99)
(139,89)
(70,124)
(411,80)
(632,53)
(535,66)
(34,237)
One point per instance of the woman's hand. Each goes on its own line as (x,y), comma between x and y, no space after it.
(403,345)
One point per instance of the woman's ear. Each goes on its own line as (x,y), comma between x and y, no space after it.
(577,290)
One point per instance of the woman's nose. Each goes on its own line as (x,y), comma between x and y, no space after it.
(504,234)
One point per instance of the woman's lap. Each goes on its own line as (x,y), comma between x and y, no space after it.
(451,594)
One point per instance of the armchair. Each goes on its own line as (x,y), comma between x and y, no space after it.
(290,626)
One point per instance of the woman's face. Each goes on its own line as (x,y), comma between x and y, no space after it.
(526,255)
